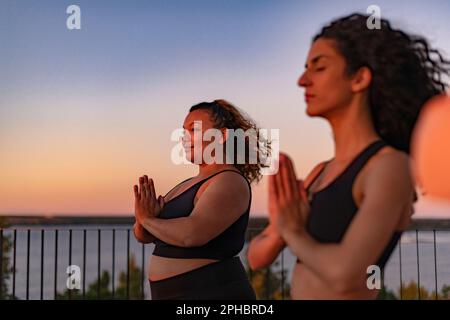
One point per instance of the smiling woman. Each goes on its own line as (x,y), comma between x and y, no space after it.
(199,226)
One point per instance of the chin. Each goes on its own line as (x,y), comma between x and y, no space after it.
(190,157)
(312,112)
(316,111)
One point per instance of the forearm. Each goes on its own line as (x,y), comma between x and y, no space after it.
(327,261)
(142,235)
(177,232)
(264,249)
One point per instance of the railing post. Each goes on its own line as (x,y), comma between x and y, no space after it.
(418,267)
(14,265)
(42,264)
(56,266)
(28,264)
(98,264)
(84,264)
(113,261)
(128,263)
(70,259)
(435,266)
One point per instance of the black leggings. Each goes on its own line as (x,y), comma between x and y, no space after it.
(221,280)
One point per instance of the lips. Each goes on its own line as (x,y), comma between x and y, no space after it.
(308,96)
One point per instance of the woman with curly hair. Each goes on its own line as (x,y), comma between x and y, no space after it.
(350,211)
(199,226)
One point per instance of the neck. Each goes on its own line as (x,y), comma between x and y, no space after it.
(352,130)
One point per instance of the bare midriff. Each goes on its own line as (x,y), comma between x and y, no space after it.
(306,285)
(162,268)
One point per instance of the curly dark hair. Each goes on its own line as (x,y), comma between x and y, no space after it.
(406,72)
(225,115)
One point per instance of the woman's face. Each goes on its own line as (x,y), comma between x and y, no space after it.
(327,88)
(193,135)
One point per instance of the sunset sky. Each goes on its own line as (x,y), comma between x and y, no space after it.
(84,113)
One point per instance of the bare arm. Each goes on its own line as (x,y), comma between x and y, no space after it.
(266,246)
(142,235)
(222,203)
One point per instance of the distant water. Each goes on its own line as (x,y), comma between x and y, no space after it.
(409,264)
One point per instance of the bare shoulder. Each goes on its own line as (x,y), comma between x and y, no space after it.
(391,164)
(391,159)
(227,182)
(230,179)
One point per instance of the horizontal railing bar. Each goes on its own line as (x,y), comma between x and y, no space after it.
(254,222)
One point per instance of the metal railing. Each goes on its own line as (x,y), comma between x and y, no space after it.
(50,247)
(11,266)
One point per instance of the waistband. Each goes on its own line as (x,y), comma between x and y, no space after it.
(211,275)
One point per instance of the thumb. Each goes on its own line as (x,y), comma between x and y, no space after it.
(302,190)
(161,201)
(137,196)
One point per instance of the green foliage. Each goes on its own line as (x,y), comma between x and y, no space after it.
(103,289)
(267,283)
(386,294)
(410,291)
(6,245)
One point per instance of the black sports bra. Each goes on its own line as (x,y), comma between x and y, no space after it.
(333,208)
(226,245)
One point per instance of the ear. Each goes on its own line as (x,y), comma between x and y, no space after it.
(224,135)
(361,80)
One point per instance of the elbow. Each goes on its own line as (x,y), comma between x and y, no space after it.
(255,262)
(140,240)
(193,235)
(194,238)
(187,242)
(253,265)
(192,241)
(255,259)
(143,239)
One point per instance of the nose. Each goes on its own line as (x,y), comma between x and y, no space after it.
(304,80)
(186,138)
